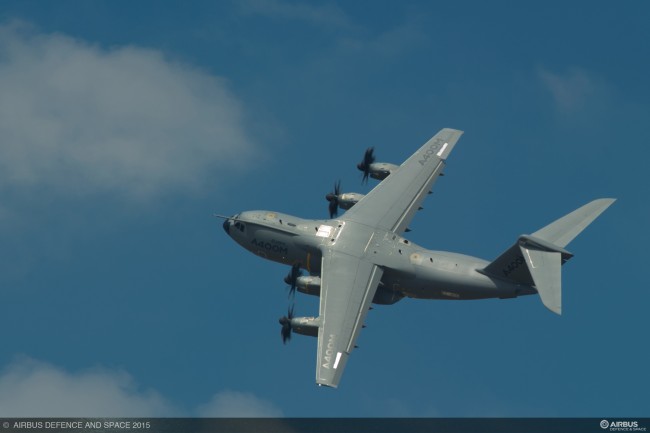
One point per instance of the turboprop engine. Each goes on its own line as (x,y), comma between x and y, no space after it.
(308,284)
(302,325)
(343,201)
(376,170)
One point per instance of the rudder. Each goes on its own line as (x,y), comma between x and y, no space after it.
(545,267)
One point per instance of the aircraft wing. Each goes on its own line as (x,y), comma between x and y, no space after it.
(348,285)
(392,204)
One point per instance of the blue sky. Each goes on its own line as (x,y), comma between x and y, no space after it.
(125,125)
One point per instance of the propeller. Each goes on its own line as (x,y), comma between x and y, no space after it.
(292,278)
(368,158)
(333,198)
(285,321)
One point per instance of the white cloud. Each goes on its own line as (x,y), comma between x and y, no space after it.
(233,404)
(571,90)
(77,118)
(30,388)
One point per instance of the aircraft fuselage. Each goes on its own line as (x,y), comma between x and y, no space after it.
(409,269)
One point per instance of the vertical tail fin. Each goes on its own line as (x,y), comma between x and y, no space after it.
(536,260)
(545,268)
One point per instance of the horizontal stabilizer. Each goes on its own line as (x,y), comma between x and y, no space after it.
(564,230)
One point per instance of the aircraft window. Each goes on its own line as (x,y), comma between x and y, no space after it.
(291,224)
(240,226)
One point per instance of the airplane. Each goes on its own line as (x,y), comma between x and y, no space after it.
(361,257)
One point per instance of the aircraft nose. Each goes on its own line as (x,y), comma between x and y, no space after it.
(226,226)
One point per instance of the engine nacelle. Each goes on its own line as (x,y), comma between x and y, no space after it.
(376,170)
(305,325)
(308,284)
(349,199)
(381,170)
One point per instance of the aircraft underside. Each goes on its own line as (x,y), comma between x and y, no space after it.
(410,270)
(441,285)
(361,257)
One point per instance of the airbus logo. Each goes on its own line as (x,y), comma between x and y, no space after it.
(623,426)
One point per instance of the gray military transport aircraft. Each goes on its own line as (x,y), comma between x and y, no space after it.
(361,257)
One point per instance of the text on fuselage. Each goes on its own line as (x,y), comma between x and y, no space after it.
(273,246)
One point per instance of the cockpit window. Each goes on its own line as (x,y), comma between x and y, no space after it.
(240,226)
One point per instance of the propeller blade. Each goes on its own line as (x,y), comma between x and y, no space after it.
(292,278)
(285,321)
(368,158)
(333,198)
(334,208)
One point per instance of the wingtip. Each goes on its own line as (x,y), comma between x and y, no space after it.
(453,131)
(327,385)
(556,309)
(603,203)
